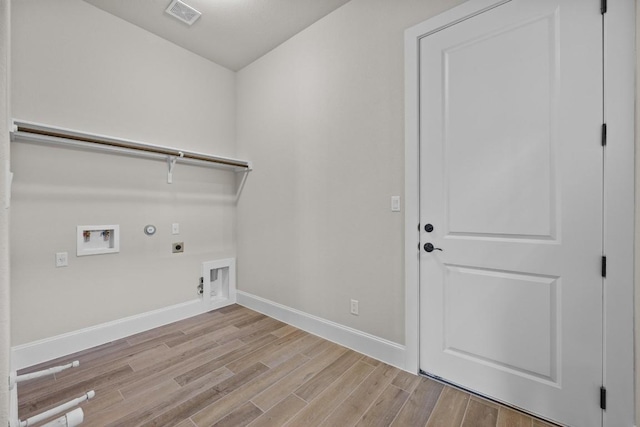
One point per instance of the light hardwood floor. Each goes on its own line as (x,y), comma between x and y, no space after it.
(236,367)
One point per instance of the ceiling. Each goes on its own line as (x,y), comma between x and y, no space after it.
(232,33)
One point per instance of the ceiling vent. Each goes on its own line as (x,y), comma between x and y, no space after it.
(183,12)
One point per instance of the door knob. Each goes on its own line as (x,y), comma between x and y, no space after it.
(430,248)
(428,228)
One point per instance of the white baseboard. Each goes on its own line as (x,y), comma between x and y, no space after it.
(61,345)
(47,349)
(370,345)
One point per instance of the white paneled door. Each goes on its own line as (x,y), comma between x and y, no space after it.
(511,196)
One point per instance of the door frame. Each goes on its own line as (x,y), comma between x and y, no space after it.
(619,195)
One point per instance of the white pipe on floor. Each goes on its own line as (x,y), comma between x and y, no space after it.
(45,372)
(70,419)
(14,421)
(58,409)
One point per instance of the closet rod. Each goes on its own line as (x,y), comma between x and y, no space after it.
(44,133)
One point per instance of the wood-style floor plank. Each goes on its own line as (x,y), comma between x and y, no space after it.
(371,361)
(480,414)
(140,384)
(101,402)
(314,413)
(324,378)
(417,410)
(256,356)
(406,381)
(511,418)
(318,348)
(221,361)
(295,379)
(246,392)
(241,416)
(184,406)
(137,409)
(385,409)
(354,407)
(237,367)
(108,415)
(280,413)
(207,334)
(275,358)
(286,329)
(450,408)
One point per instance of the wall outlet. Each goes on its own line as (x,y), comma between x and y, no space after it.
(177,247)
(354,307)
(62,259)
(175,228)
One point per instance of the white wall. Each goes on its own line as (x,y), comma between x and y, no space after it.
(78,67)
(322,118)
(4,213)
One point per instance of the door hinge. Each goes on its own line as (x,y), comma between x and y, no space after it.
(603,6)
(603,398)
(604,134)
(604,266)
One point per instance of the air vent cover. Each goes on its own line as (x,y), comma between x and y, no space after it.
(183,12)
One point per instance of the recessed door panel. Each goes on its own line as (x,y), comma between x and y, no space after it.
(486,141)
(486,309)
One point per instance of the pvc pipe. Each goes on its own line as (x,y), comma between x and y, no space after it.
(45,372)
(70,419)
(58,409)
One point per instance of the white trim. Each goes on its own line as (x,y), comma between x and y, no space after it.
(375,347)
(61,345)
(227,279)
(619,209)
(411,204)
(619,197)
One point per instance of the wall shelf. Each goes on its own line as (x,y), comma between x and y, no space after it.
(46,134)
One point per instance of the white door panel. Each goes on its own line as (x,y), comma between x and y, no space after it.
(511,179)
(515,132)
(479,300)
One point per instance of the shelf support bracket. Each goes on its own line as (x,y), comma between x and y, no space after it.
(241,184)
(171,163)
